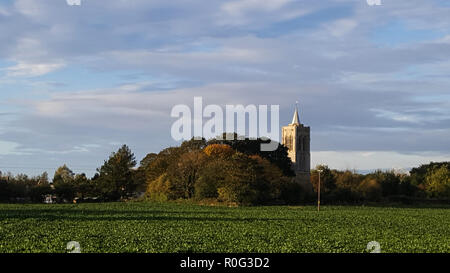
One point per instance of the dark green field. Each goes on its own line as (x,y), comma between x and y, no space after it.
(152,227)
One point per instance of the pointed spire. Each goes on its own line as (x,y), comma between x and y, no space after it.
(295,119)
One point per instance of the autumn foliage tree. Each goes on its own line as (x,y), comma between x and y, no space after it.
(437,182)
(219,150)
(219,172)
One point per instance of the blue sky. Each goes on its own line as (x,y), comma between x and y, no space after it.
(76,82)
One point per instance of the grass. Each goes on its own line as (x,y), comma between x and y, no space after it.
(171,227)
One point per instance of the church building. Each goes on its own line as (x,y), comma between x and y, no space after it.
(296,137)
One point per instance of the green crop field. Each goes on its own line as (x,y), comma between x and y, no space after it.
(171,227)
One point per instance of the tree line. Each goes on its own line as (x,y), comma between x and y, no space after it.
(229,171)
(425,183)
(116,179)
(232,171)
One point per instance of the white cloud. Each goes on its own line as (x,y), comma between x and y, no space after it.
(9,148)
(413,117)
(23,69)
(257,12)
(73,2)
(74,149)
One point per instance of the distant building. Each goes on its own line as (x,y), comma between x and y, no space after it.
(296,137)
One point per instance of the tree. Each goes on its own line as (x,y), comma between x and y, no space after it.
(347,179)
(327,179)
(38,193)
(239,185)
(139,180)
(217,170)
(116,175)
(5,193)
(63,182)
(407,188)
(279,157)
(270,182)
(159,189)
(389,181)
(147,161)
(438,182)
(193,145)
(418,175)
(43,179)
(370,189)
(219,150)
(185,172)
(158,166)
(39,187)
(83,186)
(212,176)
(63,174)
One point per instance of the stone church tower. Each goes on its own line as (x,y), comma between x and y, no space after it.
(296,137)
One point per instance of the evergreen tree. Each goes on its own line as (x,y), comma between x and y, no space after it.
(116,175)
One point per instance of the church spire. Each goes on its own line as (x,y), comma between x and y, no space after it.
(295,119)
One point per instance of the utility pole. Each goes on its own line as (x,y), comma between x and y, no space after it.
(318,192)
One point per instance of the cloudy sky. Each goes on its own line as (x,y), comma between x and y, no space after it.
(76,82)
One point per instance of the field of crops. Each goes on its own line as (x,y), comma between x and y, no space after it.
(152,227)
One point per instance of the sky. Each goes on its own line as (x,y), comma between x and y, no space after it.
(78,81)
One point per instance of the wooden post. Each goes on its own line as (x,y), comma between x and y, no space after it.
(318,192)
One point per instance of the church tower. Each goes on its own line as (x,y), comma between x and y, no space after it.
(296,137)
